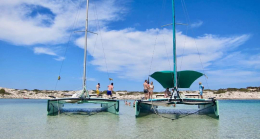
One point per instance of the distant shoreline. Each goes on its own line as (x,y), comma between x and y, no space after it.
(137,99)
(7,93)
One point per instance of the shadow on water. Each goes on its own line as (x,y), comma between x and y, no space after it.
(79,111)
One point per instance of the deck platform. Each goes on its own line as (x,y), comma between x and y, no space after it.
(192,95)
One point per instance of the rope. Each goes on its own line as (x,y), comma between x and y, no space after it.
(184,37)
(155,111)
(185,8)
(95,9)
(163,5)
(73,27)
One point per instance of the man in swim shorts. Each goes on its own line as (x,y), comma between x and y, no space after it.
(145,89)
(110,90)
(97,89)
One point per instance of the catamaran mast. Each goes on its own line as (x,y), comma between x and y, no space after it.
(85,51)
(174,46)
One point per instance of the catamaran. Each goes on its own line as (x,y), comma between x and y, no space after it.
(55,106)
(176,79)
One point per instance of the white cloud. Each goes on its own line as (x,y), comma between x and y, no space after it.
(44,50)
(129,52)
(49,51)
(18,27)
(91,79)
(60,58)
(240,60)
(232,77)
(196,24)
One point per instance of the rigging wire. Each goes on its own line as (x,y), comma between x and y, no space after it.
(156,112)
(95,9)
(188,20)
(65,52)
(163,6)
(184,37)
(95,44)
(185,8)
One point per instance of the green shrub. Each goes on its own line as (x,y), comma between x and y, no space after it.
(232,89)
(208,90)
(220,91)
(35,90)
(2,91)
(158,92)
(48,92)
(243,90)
(133,93)
(105,92)
(122,91)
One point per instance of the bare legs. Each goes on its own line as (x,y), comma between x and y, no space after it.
(151,95)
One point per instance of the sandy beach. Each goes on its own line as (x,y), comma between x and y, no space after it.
(44,94)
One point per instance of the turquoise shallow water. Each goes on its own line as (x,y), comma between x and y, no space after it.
(26,118)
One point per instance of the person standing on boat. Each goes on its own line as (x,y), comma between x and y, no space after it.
(97,89)
(174,93)
(145,89)
(148,90)
(110,89)
(150,94)
(167,93)
(201,88)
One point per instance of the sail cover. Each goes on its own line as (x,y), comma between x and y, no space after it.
(185,78)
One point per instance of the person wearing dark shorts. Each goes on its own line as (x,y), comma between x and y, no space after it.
(110,89)
(109,92)
(145,89)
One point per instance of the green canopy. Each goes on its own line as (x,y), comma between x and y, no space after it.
(185,78)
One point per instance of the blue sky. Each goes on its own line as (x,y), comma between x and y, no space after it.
(35,35)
